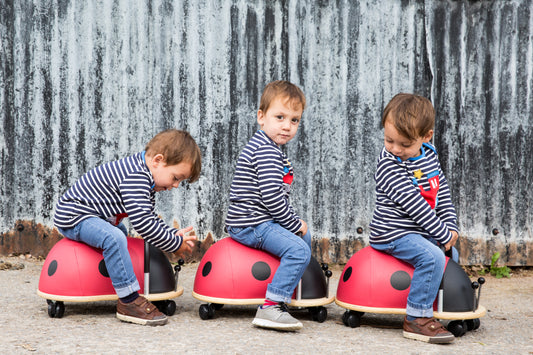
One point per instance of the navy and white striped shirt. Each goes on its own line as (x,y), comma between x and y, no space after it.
(261,185)
(115,190)
(401,207)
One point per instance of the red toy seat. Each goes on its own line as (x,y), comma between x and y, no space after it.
(375,279)
(77,270)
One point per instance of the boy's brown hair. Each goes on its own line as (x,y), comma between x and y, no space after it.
(177,146)
(412,115)
(281,88)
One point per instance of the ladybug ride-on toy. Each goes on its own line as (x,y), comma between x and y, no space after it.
(375,282)
(234,274)
(76,272)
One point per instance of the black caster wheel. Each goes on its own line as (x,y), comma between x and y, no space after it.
(203,311)
(217,306)
(168,307)
(345,318)
(352,319)
(457,328)
(472,324)
(206,311)
(55,309)
(319,314)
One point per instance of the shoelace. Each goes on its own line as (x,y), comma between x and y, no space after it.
(283,307)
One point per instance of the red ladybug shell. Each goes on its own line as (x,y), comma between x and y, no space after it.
(375,279)
(74,269)
(232,270)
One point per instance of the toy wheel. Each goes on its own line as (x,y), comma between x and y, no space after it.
(55,309)
(211,310)
(206,311)
(472,324)
(217,306)
(352,319)
(457,328)
(60,309)
(319,314)
(51,309)
(168,307)
(345,318)
(203,311)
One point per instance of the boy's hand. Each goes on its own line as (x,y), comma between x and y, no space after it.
(303,230)
(188,240)
(452,242)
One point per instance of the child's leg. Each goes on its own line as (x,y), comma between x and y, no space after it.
(294,251)
(131,307)
(101,234)
(428,261)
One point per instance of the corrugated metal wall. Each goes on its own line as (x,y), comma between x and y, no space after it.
(85,82)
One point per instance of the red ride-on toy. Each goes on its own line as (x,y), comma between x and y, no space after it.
(76,272)
(234,274)
(375,282)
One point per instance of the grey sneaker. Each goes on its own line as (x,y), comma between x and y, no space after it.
(276,317)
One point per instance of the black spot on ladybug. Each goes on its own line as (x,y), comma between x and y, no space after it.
(400,280)
(102,269)
(207,269)
(347,274)
(261,271)
(52,268)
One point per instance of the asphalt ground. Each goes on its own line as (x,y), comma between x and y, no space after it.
(92,328)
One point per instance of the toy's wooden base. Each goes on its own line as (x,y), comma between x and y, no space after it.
(253,301)
(113,297)
(480,311)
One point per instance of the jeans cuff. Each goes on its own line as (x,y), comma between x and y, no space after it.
(419,313)
(127,290)
(278,295)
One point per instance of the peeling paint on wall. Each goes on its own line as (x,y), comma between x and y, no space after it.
(85,82)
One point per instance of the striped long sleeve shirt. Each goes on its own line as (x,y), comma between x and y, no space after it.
(261,185)
(113,191)
(412,197)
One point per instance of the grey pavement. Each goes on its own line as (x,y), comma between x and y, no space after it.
(91,328)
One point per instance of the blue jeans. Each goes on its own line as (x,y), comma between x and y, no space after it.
(112,240)
(294,253)
(429,261)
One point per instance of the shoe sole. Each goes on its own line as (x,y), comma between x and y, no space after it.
(265,323)
(152,322)
(428,339)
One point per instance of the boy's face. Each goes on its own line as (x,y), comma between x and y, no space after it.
(166,176)
(281,119)
(403,147)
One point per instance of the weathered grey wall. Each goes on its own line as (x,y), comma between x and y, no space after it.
(85,82)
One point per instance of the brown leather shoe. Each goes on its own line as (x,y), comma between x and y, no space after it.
(427,329)
(141,311)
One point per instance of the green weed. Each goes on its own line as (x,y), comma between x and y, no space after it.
(497,271)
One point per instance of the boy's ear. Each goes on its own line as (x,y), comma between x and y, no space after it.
(428,136)
(158,159)
(260,118)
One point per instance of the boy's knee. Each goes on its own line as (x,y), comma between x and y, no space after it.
(115,239)
(300,251)
(305,253)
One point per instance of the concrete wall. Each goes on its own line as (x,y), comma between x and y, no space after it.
(85,82)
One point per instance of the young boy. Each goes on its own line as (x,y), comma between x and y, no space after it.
(414,214)
(260,215)
(92,209)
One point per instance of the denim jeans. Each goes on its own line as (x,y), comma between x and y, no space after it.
(428,260)
(294,253)
(112,240)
